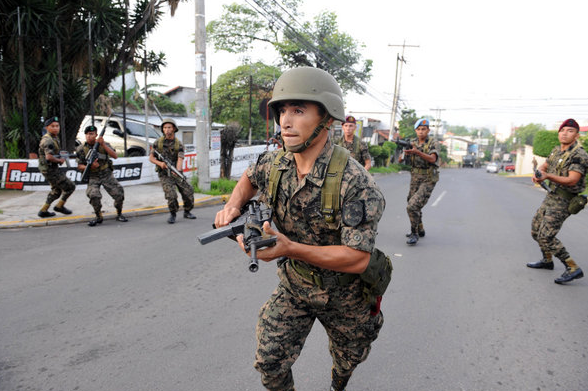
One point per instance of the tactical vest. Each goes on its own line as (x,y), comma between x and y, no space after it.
(378,273)
(176,149)
(43,163)
(102,159)
(356,146)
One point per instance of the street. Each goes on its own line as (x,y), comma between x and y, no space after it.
(142,306)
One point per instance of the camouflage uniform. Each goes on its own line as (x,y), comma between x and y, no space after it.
(359,150)
(552,213)
(101,176)
(60,185)
(423,178)
(287,317)
(169,183)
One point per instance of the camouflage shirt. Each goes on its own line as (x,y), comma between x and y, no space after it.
(103,158)
(429,147)
(359,150)
(49,144)
(297,211)
(171,149)
(577,161)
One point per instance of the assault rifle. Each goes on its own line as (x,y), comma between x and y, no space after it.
(250,225)
(65,156)
(543,184)
(93,154)
(171,168)
(402,143)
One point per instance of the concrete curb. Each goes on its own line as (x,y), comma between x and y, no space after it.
(198,203)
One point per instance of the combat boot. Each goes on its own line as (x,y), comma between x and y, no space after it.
(172,218)
(45,214)
(62,209)
(542,264)
(338,383)
(412,239)
(120,217)
(421,232)
(96,220)
(572,272)
(188,215)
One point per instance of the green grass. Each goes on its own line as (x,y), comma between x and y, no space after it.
(219,187)
(394,167)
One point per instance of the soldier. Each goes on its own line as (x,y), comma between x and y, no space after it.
(325,253)
(100,175)
(173,150)
(357,148)
(424,161)
(566,170)
(49,167)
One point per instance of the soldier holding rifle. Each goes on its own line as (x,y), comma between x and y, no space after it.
(49,162)
(169,162)
(324,252)
(100,174)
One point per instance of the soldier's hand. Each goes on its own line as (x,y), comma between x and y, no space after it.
(95,164)
(100,140)
(412,151)
(163,165)
(61,160)
(226,215)
(270,253)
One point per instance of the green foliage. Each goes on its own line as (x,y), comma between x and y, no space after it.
(230,97)
(381,154)
(221,186)
(318,43)
(12,150)
(389,146)
(392,168)
(524,135)
(443,153)
(458,130)
(544,141)
(406,124)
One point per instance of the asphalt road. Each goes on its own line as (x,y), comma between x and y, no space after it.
(142,306)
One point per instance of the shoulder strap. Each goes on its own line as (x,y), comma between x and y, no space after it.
(565,158)
(357,146)
(176,145)
(160,144)
(274,178)
(332,183)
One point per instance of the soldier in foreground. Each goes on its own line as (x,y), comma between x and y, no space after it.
(172,150)
(423,158)
(324,253)
(100,175)
(358,149)
(49,166)
(565,168)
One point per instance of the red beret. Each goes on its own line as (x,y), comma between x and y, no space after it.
(349,119)
(571,123)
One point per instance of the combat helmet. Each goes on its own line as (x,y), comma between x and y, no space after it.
(169,121)
(311,85)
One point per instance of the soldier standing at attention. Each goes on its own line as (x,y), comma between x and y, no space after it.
(49,167)
(358,149)
(424,174)
(172,149)
(325,253)
(566,170)
(100,175)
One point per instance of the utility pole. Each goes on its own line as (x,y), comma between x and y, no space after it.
(438,120)
(202,112)
(399,59)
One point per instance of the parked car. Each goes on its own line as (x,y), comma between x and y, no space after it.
(492,167)
(509,168)
(114,135)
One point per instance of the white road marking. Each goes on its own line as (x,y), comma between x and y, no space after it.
(439,198)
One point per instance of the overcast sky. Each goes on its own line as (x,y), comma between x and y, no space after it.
(483,64)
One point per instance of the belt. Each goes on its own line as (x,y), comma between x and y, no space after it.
(564,193)
(422,170)
(341,279)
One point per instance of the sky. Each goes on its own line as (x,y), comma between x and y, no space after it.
(478,63)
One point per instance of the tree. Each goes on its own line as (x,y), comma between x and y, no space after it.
(49,27)
(318,44)
(406,124)
(524,135)
(458,130)
(230,96)
(544,142)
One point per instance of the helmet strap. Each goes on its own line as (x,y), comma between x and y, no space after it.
(303,146)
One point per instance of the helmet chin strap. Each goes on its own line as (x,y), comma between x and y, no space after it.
(302,147)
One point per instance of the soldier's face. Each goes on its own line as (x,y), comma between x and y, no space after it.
(91,137)
(298,120)
(422,132)
(567,135)
(53,128)
(349,129)
(168,130)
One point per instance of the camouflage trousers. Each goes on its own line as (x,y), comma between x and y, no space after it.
(112,187)
(547,222)
(60,185)
(169,184)
(421,187)
(286,319)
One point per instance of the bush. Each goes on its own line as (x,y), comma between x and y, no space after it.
(219,187)
(544,142)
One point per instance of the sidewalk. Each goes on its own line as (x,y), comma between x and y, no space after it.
(18,209)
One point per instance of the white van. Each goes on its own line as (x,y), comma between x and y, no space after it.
(114,135)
